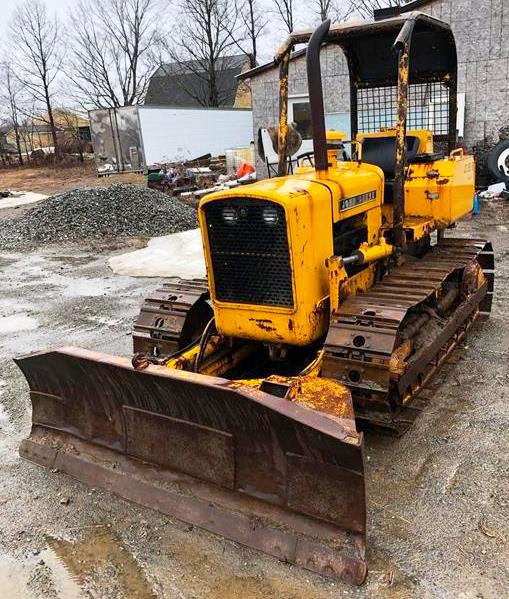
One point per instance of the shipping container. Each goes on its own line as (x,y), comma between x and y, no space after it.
(131,138)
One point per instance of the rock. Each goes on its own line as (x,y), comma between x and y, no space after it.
(98,214)
(65,501)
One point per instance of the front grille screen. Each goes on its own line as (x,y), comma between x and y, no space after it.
(249,250)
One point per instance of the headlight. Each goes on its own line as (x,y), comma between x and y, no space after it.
(270,216)
(230,214)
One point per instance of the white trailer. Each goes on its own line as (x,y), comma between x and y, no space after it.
(134,137)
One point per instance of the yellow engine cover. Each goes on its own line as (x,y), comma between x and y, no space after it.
(307,208)
(272,285)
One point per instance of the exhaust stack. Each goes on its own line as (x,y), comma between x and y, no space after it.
(314,73)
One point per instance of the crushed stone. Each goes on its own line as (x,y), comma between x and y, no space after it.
(98,213)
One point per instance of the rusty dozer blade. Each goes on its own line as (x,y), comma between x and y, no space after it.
(267,472)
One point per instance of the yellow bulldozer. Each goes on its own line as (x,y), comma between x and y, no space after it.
(332,296)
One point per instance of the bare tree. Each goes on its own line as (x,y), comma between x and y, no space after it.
(285,9)
(73,139)
(207,33)
(322,8)
(26,133)
(110,43)
(336,10)
(365,8)
(35,41)
(254,22)
(10,95)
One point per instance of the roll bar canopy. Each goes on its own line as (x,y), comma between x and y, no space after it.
(406,60)
(367,47)
(372,62)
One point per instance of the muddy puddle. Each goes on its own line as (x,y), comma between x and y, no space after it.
(98,565)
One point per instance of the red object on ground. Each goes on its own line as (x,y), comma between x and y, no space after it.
(244,169)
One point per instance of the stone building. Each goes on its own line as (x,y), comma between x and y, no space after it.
(480,28)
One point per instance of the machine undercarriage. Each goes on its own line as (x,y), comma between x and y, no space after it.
(383,344)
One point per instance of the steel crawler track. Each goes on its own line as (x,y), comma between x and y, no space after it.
(365,343)
(159,328)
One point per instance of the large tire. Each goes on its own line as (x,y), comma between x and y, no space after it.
(498,161)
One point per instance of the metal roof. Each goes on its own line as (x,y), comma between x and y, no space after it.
(268,65)
(368,48)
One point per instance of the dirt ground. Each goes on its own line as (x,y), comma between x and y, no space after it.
(438,498)
(50,180)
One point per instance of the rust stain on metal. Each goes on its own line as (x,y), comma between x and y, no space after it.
(473,278)
(263,323)
(383,343)
(253,383)
(399,173)
(165,425)
(140,361)
(337,278)
(158,330)
(322,394)
(397,365)
(283,113)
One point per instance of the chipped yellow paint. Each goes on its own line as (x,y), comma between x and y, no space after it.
(185,360)
(362,281)
(283,113)
(337,278)
(310,209)
(318,393)
(252,383)
(442,191)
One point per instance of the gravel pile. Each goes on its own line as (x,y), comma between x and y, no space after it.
(98,213)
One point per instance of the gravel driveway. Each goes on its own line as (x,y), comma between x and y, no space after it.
(438,498)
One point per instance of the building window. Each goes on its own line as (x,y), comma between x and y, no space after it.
(84,133)
(299,112)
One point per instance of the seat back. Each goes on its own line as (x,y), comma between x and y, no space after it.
(382,151)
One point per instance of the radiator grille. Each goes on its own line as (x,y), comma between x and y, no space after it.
(250,258)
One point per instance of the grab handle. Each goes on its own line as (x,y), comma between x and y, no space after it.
(459,152)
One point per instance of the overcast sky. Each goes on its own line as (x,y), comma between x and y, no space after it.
(267,46)
(59,6)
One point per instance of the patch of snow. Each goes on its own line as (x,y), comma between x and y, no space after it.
(21,198)
(176,255)
(17,322)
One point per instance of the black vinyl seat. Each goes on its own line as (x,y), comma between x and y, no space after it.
(381,151)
